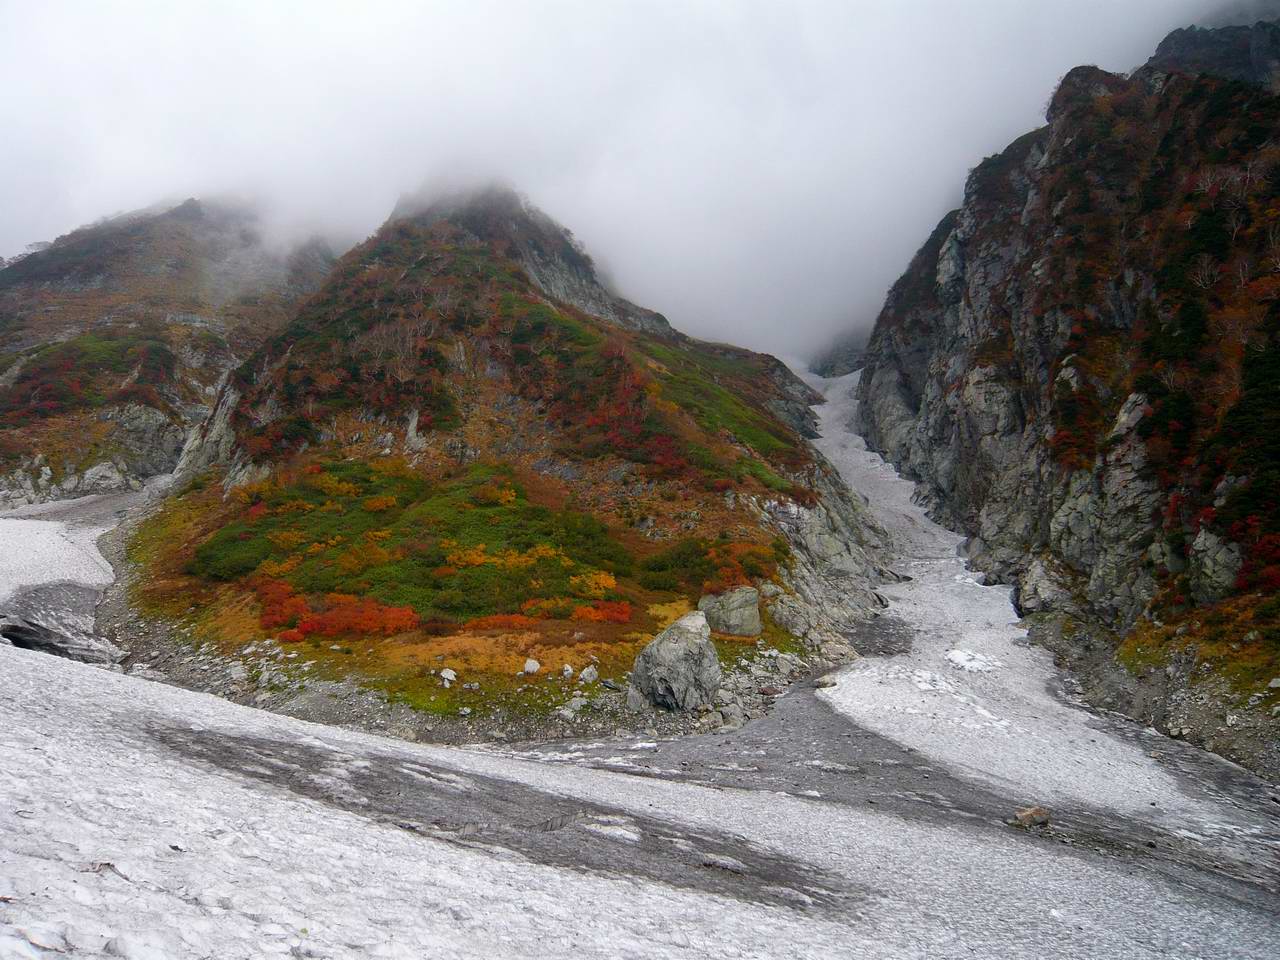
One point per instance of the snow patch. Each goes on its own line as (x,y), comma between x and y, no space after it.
(972,662)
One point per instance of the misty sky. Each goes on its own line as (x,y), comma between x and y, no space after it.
(759,172)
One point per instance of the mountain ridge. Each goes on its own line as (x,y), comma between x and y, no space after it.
(1074,370)
(453,468)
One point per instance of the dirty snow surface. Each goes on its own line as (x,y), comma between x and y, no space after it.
(33,552)
(144,821)
(971,693)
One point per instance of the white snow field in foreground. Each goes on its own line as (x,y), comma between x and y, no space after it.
(112,843)
(33,552)
(969,695)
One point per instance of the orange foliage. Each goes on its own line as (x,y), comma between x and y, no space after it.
(281,607)
(346,614)
(379,504)
(502,621)
(604,611)
(737,565)
(594,584)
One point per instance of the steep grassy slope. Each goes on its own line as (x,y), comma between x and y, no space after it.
(439,464)
(113,339)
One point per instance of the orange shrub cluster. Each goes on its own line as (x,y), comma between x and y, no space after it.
(342,614)
(347,614)
(281,607)
(604,611)
(738,564)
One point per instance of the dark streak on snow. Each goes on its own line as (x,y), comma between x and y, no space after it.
(805,745)
(484,813)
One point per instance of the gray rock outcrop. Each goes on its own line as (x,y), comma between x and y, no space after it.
(735,612)
(961,374)
(678,670)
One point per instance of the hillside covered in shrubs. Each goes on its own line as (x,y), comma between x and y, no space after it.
(437,464)
(113,340)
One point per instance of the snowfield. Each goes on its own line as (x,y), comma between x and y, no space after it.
(114,842)
(41,551)
(971,694)
(144,821)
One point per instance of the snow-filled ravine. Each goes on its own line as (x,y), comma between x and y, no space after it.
(145,821)
(971,693)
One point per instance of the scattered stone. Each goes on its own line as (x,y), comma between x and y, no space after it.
(735,612)
(1274,684)
(570,710)
(824,683)
(566,671)
(732,716)
(1032,817)
(610,684)
(589,674)
(448,676)
(678,670)
(532,666)
(464,711)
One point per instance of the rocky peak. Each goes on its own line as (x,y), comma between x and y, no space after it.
(1249,53)
(1082,85)
(548,252)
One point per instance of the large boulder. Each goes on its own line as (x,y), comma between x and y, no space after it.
(678,670)
(735,612)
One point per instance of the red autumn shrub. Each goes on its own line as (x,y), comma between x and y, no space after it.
(291,636)
(281,607)
(345,614)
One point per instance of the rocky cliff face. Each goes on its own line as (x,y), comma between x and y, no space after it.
(1249,53)
(1075,365)
(115,337)
(549,254)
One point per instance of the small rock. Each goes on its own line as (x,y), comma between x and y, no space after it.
(824,683)
(566,671)
(589,674)
(448,676)
(1274,684)
(532,666)
(610,684)
(1032,817)
(464,711)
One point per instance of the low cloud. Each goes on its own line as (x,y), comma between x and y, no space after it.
(759,172)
